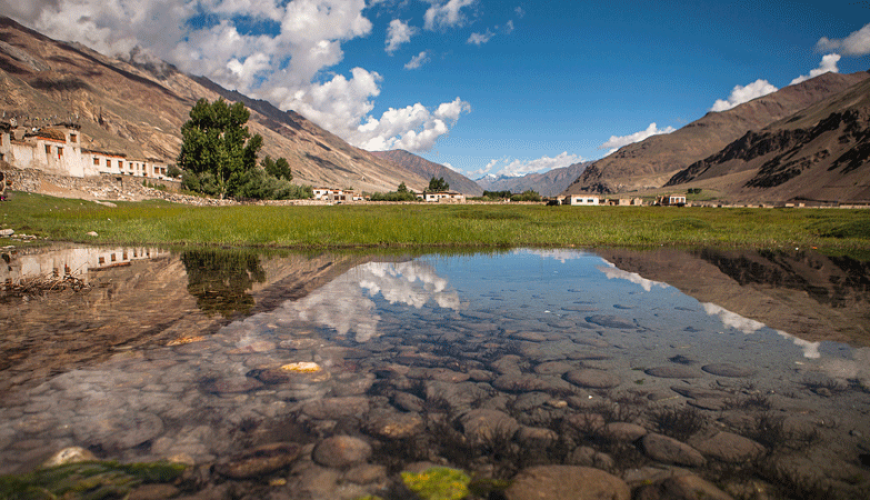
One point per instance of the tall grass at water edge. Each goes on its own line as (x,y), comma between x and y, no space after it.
(419,225)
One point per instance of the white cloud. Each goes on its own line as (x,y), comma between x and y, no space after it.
(398,33)
(443,15)
(519,11)
(856,44)
(516,168)
(418,60)
(509,27)
(451,167)
(480,38)
(617,142)
(413,128)
(287,63)
(740,94)
(828,65)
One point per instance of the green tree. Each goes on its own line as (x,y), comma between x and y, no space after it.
(527,195)
(402,188)
(279,169)
(217,142)
(438,184)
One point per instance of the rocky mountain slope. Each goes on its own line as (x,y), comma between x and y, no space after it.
(427,170)
(821,153)
(652,162)
(138,109)
(546,184)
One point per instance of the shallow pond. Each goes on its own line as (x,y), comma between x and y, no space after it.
(535,372)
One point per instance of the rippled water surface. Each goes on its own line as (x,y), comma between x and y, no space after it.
(325,376)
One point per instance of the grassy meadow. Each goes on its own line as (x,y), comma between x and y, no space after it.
(437,226)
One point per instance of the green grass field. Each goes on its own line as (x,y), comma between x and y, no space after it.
(435,226)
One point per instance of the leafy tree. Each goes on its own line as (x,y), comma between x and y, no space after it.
(497,195)
(279,169)
(438,184)
(528,195)
(217,142)
(174,171)
(402,188)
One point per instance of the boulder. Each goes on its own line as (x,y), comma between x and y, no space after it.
(565,482)
(669,450)
(341,451)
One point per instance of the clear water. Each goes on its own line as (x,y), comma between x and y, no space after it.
(205,356)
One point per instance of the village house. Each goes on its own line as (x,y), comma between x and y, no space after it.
(671,200)
(587,200)
(58,150)
(442,196)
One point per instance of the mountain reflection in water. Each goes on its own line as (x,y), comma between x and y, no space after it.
(492,363)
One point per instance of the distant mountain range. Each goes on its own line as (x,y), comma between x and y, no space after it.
(427,170)
(546,184)
(652,163)
(138,109)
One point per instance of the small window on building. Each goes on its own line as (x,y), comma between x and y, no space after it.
(48,149)
(73,138)
(96,161)
(59,152)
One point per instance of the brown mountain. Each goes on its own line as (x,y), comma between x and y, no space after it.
(138,109)
(546,184)
(821,153)
(427,170)
(652,162)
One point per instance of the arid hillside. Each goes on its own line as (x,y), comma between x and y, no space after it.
(427,169)
(820,154)
(138,109)
(652,162)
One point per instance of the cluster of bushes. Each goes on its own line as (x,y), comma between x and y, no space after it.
(400,194)
(528,195)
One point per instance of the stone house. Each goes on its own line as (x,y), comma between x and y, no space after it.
(442,196)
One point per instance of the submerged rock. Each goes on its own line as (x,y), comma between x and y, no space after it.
(565,482)
(669,450)
(689,487)
(728,370)
(673,371)
(259,461)
(341,451)
(595,379)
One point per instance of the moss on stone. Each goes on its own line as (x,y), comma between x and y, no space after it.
(438,483)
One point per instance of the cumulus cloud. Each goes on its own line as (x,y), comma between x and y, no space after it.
(612,272)
(516,168)
(617,142)
(828,65)
(855,45)
(740,94)
(442,15)
(398,33)
(418,60)
(285,60)
(413,128)
(480,38)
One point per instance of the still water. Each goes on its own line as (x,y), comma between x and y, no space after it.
(325,376)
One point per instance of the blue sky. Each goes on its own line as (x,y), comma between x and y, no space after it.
(483,86)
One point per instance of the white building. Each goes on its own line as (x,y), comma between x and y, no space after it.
(588,200)
(442,196)
(57,150)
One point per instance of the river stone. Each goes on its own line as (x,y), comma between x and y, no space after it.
(590,457)
(392,424)
(71,455)
(728,370)
(696,393)
(595,379)
(233,385)
(729,447)
(565,482)
(623,431)
(153,492)
(258,461)
(537,434)
(529,336)
(611,321)
(553,368)
(120,433)
(673,371)
(407,402)
(439,374)
(709,404)
(668,450)
(336,408)
(689,487)
(341,451)
(526,383)
(509,364)
(485,425)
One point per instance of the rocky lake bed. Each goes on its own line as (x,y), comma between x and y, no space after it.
(519,375)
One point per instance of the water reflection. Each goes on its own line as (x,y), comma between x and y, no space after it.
(220,279)
(547,357)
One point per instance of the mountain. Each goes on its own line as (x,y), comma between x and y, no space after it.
(138,107)
(820,153)
(652,162)
(427,170)
(546,184)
